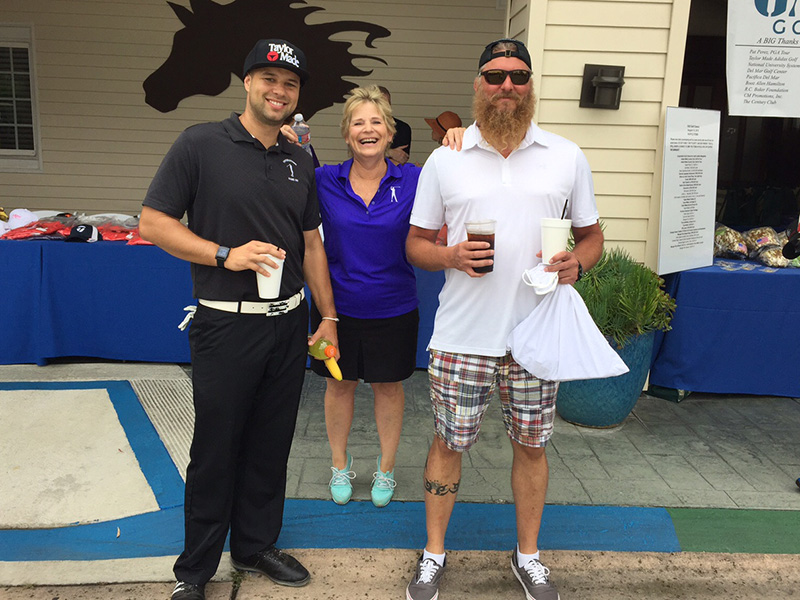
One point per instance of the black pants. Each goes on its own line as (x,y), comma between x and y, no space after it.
(247,375)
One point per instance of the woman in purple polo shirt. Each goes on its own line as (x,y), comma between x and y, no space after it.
(365,204)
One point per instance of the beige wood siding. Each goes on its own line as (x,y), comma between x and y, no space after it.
(101,144)
(518,18)
(623,146)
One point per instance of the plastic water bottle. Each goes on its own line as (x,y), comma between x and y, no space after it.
(323,350)
(303,131)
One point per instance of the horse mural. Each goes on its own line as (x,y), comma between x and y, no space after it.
(216,38)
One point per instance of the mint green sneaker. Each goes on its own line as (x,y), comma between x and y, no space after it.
(383,485)
(341,488)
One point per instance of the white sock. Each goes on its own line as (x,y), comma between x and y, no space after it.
(524,559)
(439,558)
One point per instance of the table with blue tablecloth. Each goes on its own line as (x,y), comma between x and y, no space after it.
(734,332)
(114,301)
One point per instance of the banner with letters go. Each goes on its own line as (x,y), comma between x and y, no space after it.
(763,58)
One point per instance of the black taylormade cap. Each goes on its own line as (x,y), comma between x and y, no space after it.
(516,49)
(277,53)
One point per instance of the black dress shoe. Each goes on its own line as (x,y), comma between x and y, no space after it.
(188,591)
(275,564)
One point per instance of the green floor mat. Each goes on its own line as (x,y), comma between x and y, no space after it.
(726,530)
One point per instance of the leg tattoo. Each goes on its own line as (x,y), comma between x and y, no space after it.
(440,489)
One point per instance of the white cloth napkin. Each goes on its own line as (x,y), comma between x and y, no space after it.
(559,341)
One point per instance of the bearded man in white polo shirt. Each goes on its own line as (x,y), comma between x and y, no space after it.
(514,173)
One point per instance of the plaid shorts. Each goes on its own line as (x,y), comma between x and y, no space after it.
(463,384)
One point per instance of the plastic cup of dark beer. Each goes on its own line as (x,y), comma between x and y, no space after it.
(482,231)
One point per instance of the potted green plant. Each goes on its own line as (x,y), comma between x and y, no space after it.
(627,301)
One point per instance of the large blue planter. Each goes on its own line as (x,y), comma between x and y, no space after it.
(607,402)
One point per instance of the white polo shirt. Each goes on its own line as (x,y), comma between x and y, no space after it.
(475,315)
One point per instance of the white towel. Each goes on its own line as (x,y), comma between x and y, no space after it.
(559,341)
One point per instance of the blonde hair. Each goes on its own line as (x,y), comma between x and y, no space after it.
(359,96)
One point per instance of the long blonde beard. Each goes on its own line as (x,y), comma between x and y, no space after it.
(502,129)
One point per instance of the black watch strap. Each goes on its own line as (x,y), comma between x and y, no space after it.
(580,272)
(222,256)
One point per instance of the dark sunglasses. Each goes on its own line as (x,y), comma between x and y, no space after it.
(498,76)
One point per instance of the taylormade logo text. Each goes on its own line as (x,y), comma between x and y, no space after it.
(284,53)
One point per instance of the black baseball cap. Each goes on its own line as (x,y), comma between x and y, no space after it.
(492,51)
(277,53)
(84,233)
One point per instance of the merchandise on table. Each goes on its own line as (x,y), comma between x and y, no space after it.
(763,245)
(729,243)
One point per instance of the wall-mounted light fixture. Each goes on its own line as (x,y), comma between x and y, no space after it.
(602,86)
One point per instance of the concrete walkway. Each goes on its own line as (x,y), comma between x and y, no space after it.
(708,451)
(383,575)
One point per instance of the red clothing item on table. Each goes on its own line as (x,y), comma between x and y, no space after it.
(38,229)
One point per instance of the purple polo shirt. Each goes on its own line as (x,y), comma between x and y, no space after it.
(366,245)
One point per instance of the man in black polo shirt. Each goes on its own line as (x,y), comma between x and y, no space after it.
(400,148)
(248,193)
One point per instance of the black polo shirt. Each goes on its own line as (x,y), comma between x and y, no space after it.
(402,136)
(235,190)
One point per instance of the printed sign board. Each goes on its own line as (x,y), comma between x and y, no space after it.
(688,189)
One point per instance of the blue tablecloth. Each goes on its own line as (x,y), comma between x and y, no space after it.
(102,300)
(735,331)
(113,301)
(20,290)
(429,284)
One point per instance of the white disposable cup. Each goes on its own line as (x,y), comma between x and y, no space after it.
(269,288)
(555,234)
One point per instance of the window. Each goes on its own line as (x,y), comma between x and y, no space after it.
(16,113)
(19,140)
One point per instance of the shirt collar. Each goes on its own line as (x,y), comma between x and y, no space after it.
(392,171)
(344,169)
(238,133)
(534,135)
(473,138)
(236,130)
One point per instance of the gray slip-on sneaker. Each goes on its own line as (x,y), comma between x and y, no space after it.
(425,584)
(535,579)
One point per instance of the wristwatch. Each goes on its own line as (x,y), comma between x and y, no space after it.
(580,272)
(222,256)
